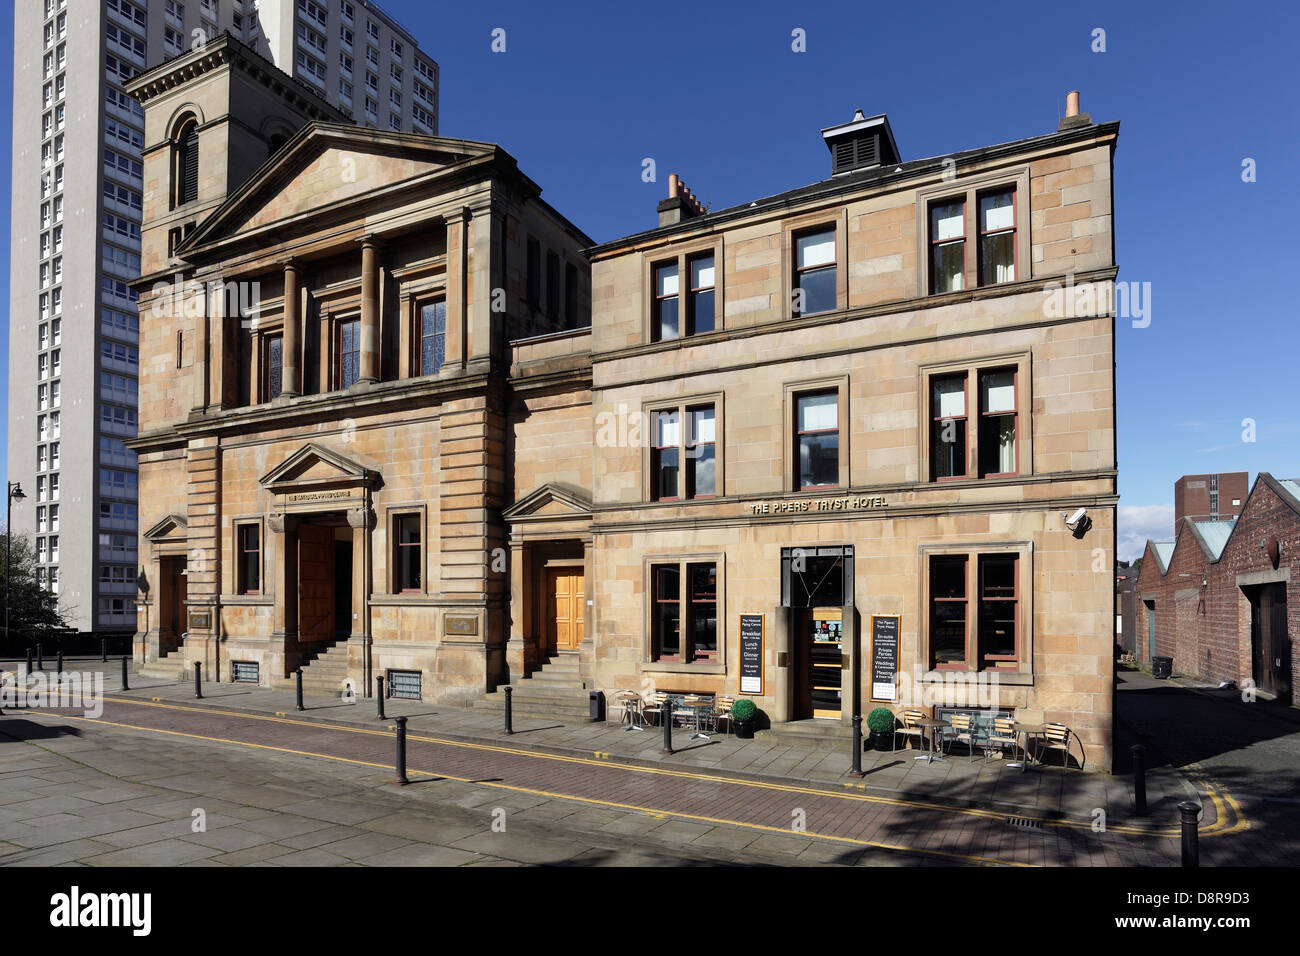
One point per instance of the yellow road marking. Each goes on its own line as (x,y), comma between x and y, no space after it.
(1220,825)
(651,811)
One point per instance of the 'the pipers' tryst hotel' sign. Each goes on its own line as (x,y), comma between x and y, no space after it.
(819,505)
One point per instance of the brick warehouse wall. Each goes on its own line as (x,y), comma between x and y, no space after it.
(1211,640)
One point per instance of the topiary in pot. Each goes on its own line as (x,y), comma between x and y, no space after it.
(881,724)
(744,715)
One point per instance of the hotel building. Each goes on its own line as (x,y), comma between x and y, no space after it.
(833,449)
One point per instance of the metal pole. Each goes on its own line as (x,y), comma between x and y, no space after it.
(379,696)
(1191,838)
(856,769)
(668,726)
(126,685)
(40,656)
(299,704)
(60,666)
(400,777)
(198,686)
(509,716)
(103,649)
(29,658)
(1139,780)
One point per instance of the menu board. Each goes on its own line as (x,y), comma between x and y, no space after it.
(884,657)
(751,654)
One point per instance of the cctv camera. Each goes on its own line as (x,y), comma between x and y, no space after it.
(1078,516)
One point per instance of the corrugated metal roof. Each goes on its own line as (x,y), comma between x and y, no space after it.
(1215,535)
(1164,551)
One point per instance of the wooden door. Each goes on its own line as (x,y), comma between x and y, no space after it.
(566,607)
(1269,640)
(315,583)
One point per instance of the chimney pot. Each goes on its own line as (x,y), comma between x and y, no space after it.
(1072,103)
(672,185)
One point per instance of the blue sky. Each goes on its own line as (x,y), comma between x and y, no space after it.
(584,92)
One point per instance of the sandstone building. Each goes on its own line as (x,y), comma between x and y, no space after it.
(459,445)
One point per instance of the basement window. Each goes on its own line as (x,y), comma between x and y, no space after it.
(405,685)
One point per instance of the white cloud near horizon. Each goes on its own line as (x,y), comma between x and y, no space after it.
(1137,523)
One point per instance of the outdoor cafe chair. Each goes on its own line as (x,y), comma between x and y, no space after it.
(1004,734)
(655,709)
(1057,737)
(722,711)
(964,731)
(908,728)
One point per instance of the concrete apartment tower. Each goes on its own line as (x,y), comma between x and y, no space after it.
(76,200)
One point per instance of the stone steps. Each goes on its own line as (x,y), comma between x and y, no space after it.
(556,692)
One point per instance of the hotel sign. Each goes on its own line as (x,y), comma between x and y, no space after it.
(819,505)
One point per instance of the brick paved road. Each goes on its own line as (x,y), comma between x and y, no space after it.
(697,804)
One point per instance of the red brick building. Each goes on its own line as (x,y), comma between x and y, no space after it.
(1218,497)
(1221,600)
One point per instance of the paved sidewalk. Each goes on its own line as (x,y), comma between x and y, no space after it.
(1048,792)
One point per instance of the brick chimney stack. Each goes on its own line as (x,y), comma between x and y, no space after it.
(681,203)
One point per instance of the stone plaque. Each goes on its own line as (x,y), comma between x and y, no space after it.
(460,624)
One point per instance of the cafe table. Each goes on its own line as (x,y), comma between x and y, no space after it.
(932,724)
(698,705)
(628,700)
(1029,730)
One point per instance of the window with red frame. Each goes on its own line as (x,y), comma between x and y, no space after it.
(948,611)
(701,453)
(997,429)
(406,559)
(948,424)
(997,236)
(665,455)
(948,246)
(999,611)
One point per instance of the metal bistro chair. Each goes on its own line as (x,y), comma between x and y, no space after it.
(1004,734)
(654,709)
(1057,737)
(630,701)
(908,728)
(722,711)
(964,731)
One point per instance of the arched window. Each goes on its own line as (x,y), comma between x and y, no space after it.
(187,162)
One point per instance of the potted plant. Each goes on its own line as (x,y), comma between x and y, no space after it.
(881,724)
(743,716)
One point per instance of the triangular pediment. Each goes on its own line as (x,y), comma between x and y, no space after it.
(326,166)
(173,526)
(314,466)
(551,500)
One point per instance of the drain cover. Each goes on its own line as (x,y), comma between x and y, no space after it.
(1025,823)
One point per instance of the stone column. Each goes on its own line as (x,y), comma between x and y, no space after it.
(360,643)
(284,586)
(369,310)
(291,367)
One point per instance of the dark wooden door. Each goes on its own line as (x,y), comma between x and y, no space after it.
(315,583)
(1270,642)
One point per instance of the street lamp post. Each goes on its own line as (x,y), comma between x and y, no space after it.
(15,492)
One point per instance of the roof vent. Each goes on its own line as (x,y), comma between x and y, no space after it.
(862,143)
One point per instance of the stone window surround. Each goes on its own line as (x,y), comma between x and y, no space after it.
(972,549)
(968,188)
(648,562)
(681,253)
(413,302)
(838,219)
(789,432)
(972,366)
(391,513)
(264,595)
(681,405)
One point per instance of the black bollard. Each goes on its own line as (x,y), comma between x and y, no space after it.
(59,665)
(40,657)
(29,660)
(103,649)
(509,716)
(400,778)
(379,696)
(1191,838)
(126,685)
(856,769)
(198,686)
(299,704)
(668,726)
(1139,780)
